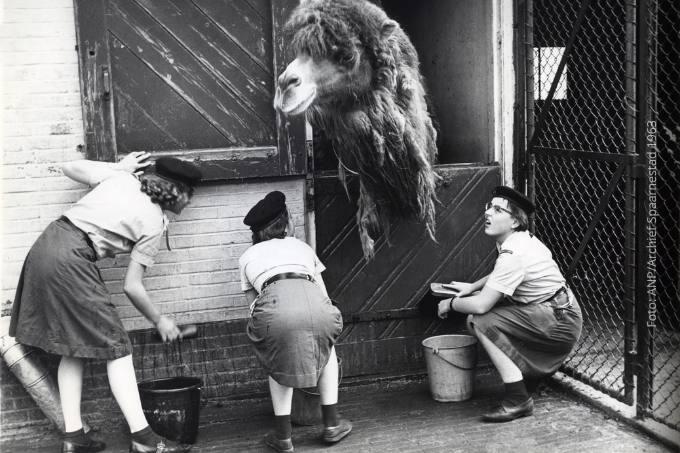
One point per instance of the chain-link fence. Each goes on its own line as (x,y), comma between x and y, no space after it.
(663,164)
(589,107)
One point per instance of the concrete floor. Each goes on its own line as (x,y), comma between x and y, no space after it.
(401,416)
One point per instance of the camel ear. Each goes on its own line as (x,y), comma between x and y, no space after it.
(388,28)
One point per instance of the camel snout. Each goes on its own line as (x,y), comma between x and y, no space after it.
(289,79)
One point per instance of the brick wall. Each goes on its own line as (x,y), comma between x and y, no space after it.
(197,281)
(42,127)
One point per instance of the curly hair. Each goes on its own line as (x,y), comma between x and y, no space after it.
(275,230)
(162,191)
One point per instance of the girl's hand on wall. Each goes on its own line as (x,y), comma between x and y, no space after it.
(134,162)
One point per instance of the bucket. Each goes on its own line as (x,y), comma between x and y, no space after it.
(451,361)
(306,409)
(172,407)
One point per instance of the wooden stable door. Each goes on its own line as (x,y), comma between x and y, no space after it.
(384,300)
(194,79)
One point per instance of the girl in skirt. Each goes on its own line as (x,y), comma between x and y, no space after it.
(523,314)
(62,305)
(293,324)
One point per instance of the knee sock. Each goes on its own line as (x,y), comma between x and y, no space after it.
(282,427)
(146,436)
(532,384)
(515,393)
(330,415)
(77,437)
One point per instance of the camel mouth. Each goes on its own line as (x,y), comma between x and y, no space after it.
(295,103)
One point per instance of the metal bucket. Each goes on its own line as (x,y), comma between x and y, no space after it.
(451,361)
(306,410)
(172,407)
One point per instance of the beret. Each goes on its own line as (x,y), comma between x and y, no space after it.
(265,211)
(519,199)
(178,170)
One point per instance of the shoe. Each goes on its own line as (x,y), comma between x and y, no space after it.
(506,413)
(336,433)
(281,445)
(90,446)
(163,446)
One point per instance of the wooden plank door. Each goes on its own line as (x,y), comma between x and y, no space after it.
(380,298)
(192,78)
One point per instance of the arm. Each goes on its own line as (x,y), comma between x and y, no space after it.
(92,172)
(134,289)
(465,289)
(477,304)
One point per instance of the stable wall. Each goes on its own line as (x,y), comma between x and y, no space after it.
(196,282)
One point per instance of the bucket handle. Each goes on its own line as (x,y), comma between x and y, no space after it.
(435,351)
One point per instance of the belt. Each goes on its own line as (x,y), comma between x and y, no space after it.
(559,302)
(284,276)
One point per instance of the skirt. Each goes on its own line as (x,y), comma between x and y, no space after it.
(62,305)
(293,328)
(531,335)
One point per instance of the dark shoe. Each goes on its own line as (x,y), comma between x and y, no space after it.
(507,413)
(163,446)
(90,446)
(285,445)
(336,433)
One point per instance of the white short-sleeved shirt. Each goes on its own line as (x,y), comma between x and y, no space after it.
(275,256)
(525,270)
(119,218)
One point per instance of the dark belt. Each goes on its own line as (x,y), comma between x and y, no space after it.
(284,276)
(559,302)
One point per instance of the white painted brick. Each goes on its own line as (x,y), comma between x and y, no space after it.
(42,127)
(47,13)
(51,30)
(37,4)
(43,198)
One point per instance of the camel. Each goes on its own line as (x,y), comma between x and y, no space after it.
(356,76)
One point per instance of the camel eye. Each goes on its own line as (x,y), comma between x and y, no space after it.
(344,58)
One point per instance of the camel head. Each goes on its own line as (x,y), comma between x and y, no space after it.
(334,55)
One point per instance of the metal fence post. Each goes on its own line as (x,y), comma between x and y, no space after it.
(644,335)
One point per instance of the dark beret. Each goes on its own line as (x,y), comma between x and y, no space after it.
(519,199)
(266,211)
(178,170)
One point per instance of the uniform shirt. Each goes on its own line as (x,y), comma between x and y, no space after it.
(119,218)
(525,270)
(275,256)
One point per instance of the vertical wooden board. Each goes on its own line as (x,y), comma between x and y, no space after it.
(290,131)
(93,60)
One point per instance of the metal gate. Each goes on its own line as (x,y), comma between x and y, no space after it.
(603,166)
